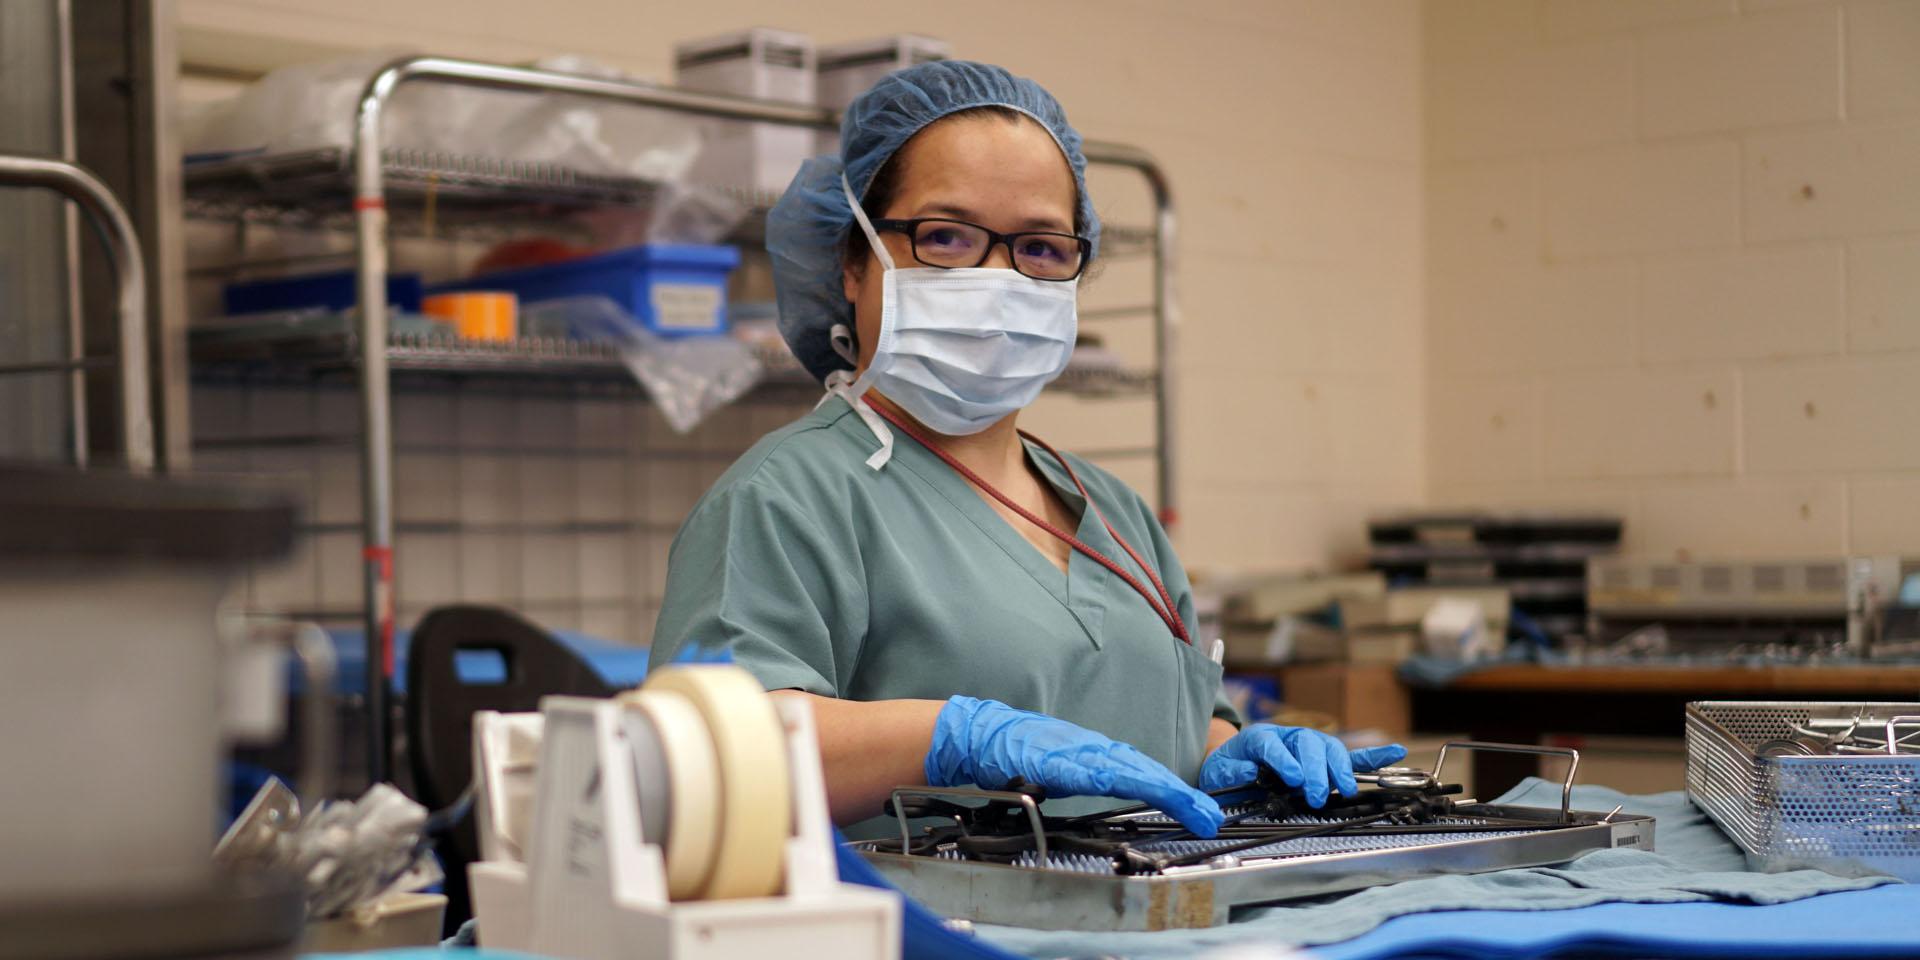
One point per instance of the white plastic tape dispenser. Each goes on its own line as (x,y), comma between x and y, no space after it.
(684,819)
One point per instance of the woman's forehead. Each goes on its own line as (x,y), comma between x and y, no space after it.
(987,164)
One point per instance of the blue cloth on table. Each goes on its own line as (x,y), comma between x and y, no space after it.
(1695,863)
(1854,924)
(617,663)
(1859,923)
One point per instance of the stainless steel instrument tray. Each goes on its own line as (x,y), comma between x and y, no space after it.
(1851,814)
(1084,893)
(1077,891)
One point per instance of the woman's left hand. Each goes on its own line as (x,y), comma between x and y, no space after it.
(1313,761)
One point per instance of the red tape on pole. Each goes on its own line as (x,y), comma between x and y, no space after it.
(383,556)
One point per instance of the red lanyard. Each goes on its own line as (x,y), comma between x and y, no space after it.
(1162,606)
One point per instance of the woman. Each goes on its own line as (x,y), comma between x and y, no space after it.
(959,603)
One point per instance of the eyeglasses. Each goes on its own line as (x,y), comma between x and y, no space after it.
(957,244)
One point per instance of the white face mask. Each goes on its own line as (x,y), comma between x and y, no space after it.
(961,349)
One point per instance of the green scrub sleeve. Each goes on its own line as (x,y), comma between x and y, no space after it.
(753,571)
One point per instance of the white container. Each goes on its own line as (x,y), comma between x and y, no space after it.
(110,693)
(111,666)
(848,70)
(762,63)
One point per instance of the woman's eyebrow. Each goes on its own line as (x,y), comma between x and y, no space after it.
(964,213)
(946,210)
(1046,223)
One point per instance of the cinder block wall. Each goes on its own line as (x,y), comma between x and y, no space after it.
(1674,267)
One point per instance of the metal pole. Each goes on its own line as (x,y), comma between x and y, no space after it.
(123,251)
(376,463)
(370,214)
(76,321)
(476,74)
(1166,315)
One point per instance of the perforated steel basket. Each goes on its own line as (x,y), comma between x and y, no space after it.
(1855,815)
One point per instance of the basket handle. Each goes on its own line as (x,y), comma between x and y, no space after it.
(1027,802)
(1566,785)
(1893,741)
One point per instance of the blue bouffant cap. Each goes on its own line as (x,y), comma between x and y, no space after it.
(807,229)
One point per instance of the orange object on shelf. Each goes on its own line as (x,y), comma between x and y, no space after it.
(476,315)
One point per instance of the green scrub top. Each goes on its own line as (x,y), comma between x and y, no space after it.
(827,576)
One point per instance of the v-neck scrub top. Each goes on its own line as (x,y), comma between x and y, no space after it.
(828,576)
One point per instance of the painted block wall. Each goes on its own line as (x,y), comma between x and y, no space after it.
(1674,268)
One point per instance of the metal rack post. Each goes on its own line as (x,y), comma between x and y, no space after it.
(123,250)
(1166,318)
(370,215)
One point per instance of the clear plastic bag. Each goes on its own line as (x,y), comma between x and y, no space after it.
(312,105)
(595,136)
(688,378)
(304,106)
(680,214)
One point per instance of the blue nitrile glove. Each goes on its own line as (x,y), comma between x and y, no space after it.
(1308,759)
(987,743)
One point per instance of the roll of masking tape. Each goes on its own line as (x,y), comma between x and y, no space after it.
(678,783)
(755,808)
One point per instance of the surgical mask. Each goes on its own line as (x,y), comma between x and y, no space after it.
(960,349)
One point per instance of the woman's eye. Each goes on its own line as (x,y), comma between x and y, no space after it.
(944,238)
(1035,249)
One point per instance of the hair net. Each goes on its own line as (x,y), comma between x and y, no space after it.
(806,230)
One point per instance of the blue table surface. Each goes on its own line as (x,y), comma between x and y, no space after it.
(1882,922)
(1878,922)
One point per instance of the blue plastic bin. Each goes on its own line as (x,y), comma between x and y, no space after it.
(672,289)
(335,291)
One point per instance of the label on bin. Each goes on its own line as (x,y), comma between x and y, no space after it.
(686,306)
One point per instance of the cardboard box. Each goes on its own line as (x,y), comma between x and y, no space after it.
(1406,606)
(1362,696)
(1382,645)
(1262,618)
(1288,640)
(1272,597)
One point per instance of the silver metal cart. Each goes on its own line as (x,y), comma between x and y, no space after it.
(307,188)
(123,250)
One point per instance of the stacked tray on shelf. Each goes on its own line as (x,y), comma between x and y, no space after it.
(1539,559)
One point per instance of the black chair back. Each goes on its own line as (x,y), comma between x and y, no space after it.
(527,664)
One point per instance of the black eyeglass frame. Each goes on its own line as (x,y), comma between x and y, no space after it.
(911,229)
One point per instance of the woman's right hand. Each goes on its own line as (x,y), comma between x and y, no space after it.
(987,743)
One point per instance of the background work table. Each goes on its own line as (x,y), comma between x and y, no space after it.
(1521,702)
(1849,680)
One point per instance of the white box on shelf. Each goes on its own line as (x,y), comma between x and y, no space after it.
(848,70)
(763,63)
